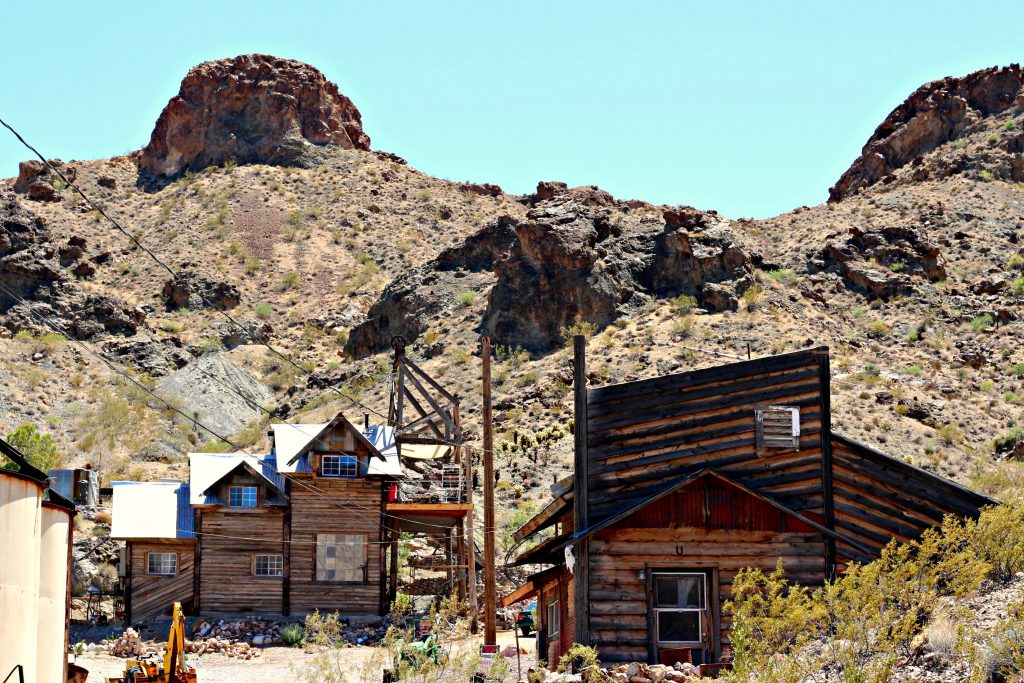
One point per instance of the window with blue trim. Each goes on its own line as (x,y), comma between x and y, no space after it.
(242,496)
(339,466)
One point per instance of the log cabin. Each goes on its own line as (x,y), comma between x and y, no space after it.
(307,526)
(681,481)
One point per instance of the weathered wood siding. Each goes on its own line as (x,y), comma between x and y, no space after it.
(878,498)
(340,506)
(228,541)
(154,596)
(706,526)
(644,434)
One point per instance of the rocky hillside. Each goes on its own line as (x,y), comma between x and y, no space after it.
(260,188)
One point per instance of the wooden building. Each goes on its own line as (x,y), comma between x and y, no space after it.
(314,524)
(681,481)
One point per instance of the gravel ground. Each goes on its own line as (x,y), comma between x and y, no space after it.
(274,665)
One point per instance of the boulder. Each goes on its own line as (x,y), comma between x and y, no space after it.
(251,109)
(36,180)
(882,262)
(195,291)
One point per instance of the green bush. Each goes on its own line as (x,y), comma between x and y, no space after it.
(982,322)
(465,299)
(785,276)
(684,303)
(38,448)
(263,311)
(293,635)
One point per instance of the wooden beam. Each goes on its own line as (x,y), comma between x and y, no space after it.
(286,569)
(422,411)
(581,607)
(449,425)
(428,379)
(467,459)
(490,580)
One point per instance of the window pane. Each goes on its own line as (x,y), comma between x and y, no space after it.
(667,591)
(162,563)
(678,626)
(269,565)
(554,618)
(691,592)
(679,590)
(242,496)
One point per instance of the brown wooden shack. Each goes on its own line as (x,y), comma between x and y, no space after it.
(681,481)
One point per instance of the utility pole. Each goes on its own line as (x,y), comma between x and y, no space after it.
(490,581)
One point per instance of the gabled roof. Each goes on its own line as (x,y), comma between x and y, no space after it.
(207,469)
(151,509)
(292,441)
(553,545)
(947,487)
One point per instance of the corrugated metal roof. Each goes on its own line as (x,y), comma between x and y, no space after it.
(206,469)
(292,439)
(152,509)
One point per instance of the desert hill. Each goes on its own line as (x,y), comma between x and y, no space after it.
(260,184)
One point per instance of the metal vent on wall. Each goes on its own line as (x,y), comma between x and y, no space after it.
(778,427)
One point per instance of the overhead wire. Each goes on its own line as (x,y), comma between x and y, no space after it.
(255,337)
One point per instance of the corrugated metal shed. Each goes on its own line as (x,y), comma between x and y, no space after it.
(206,469)
(66,483)
(152,509)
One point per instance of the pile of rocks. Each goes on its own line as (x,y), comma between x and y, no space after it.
(257,632)
(128,644)
(624,673)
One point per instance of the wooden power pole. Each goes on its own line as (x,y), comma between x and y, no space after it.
(467,462)
(490,581)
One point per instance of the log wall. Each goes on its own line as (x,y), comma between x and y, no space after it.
(878,498)
(154,596)
(644,434)
(341,506)
(228,541)
(619,608)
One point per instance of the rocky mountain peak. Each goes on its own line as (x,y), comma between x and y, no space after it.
(936,113)
(251,109)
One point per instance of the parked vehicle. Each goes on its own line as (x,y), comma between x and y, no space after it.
(526,620)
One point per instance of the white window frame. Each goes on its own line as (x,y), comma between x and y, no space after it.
(702,612)
(553,615)
(343,465)
(325,560)
(164,568)
(245,489)
(771,425)
(274,565)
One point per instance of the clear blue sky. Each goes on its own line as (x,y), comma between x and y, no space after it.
(751,108)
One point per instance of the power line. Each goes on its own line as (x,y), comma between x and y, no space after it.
(257,338)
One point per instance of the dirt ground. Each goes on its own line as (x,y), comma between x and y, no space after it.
(277,664)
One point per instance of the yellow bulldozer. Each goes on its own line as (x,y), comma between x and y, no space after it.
(172,669)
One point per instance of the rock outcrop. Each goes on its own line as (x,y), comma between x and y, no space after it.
(251,109)
(580,254)
(195,291)
(934,114)
(414,301)
(882,263)
(39,183)
(36,284)
(593,258)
